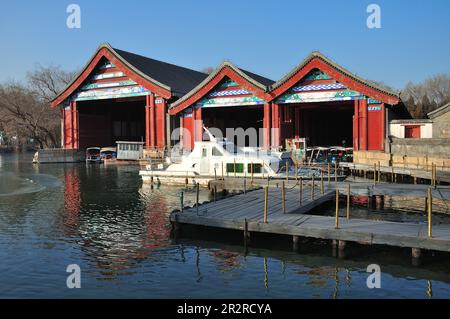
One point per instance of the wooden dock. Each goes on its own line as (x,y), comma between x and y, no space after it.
(245,212)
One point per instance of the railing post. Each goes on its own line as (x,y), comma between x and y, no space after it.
(251,167)
(430,212)
(287,171)
(335,171)
(379,172)
(266,195)
(329,172)
(336,223)
(301,189)
(321,182)
(348,202)
(313,187)
(283,197)
(374,174)
(197,194)
(181,201)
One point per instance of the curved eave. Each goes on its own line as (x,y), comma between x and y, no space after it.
(105,50)
(340,74)
(226,69)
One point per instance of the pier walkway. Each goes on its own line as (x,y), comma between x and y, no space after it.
(245,212)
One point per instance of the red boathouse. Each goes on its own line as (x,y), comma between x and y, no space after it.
(122,96)
(318,100)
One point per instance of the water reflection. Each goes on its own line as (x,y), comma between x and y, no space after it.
(117,229)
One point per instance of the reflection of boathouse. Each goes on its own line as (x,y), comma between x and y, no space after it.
(124,96)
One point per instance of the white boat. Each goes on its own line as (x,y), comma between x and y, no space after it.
(220,157)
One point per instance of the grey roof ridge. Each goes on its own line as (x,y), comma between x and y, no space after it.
(132,67)
(438,111)
(336,66)
(225,63)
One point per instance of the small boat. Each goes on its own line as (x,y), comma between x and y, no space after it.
(93,155)
(108,153)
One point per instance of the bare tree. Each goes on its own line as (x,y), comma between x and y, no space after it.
(47,82)
(425,97)
(24,108)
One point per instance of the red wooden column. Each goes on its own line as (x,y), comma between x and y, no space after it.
(383,123)
(68,127)
(356,126)
(181,131)
(152,122)
(77,126)
(160,122)
(147,120)
(198,124)
(363,124)
(73,125)
(266,126)
(276,131)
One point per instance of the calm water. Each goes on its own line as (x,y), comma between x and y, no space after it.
(102,219)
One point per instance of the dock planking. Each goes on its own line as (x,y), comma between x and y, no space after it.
(232,212)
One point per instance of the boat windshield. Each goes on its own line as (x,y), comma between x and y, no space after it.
(231,148)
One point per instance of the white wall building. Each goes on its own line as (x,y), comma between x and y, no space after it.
(416,128)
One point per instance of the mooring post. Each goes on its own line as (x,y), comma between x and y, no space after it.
(251,167)
(300,185)
(215,174)
(322,189)
(266,195)
(379,172)
(222,172)
(348,202)
(197,195)
(215,192)
(246,234)
(296,171)
(374,174)
(430,212)
(329,172)
(186,181)
(337,210)
(283,196)
(245,182)
(181,201)
(335,171)
(151,182)
(313,187)
(435,175)
(392,173)
(287,171)
(432,175)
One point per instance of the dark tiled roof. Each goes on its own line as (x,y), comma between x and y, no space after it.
(181,80)
(259,78)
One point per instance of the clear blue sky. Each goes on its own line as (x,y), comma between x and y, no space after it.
(266,37)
